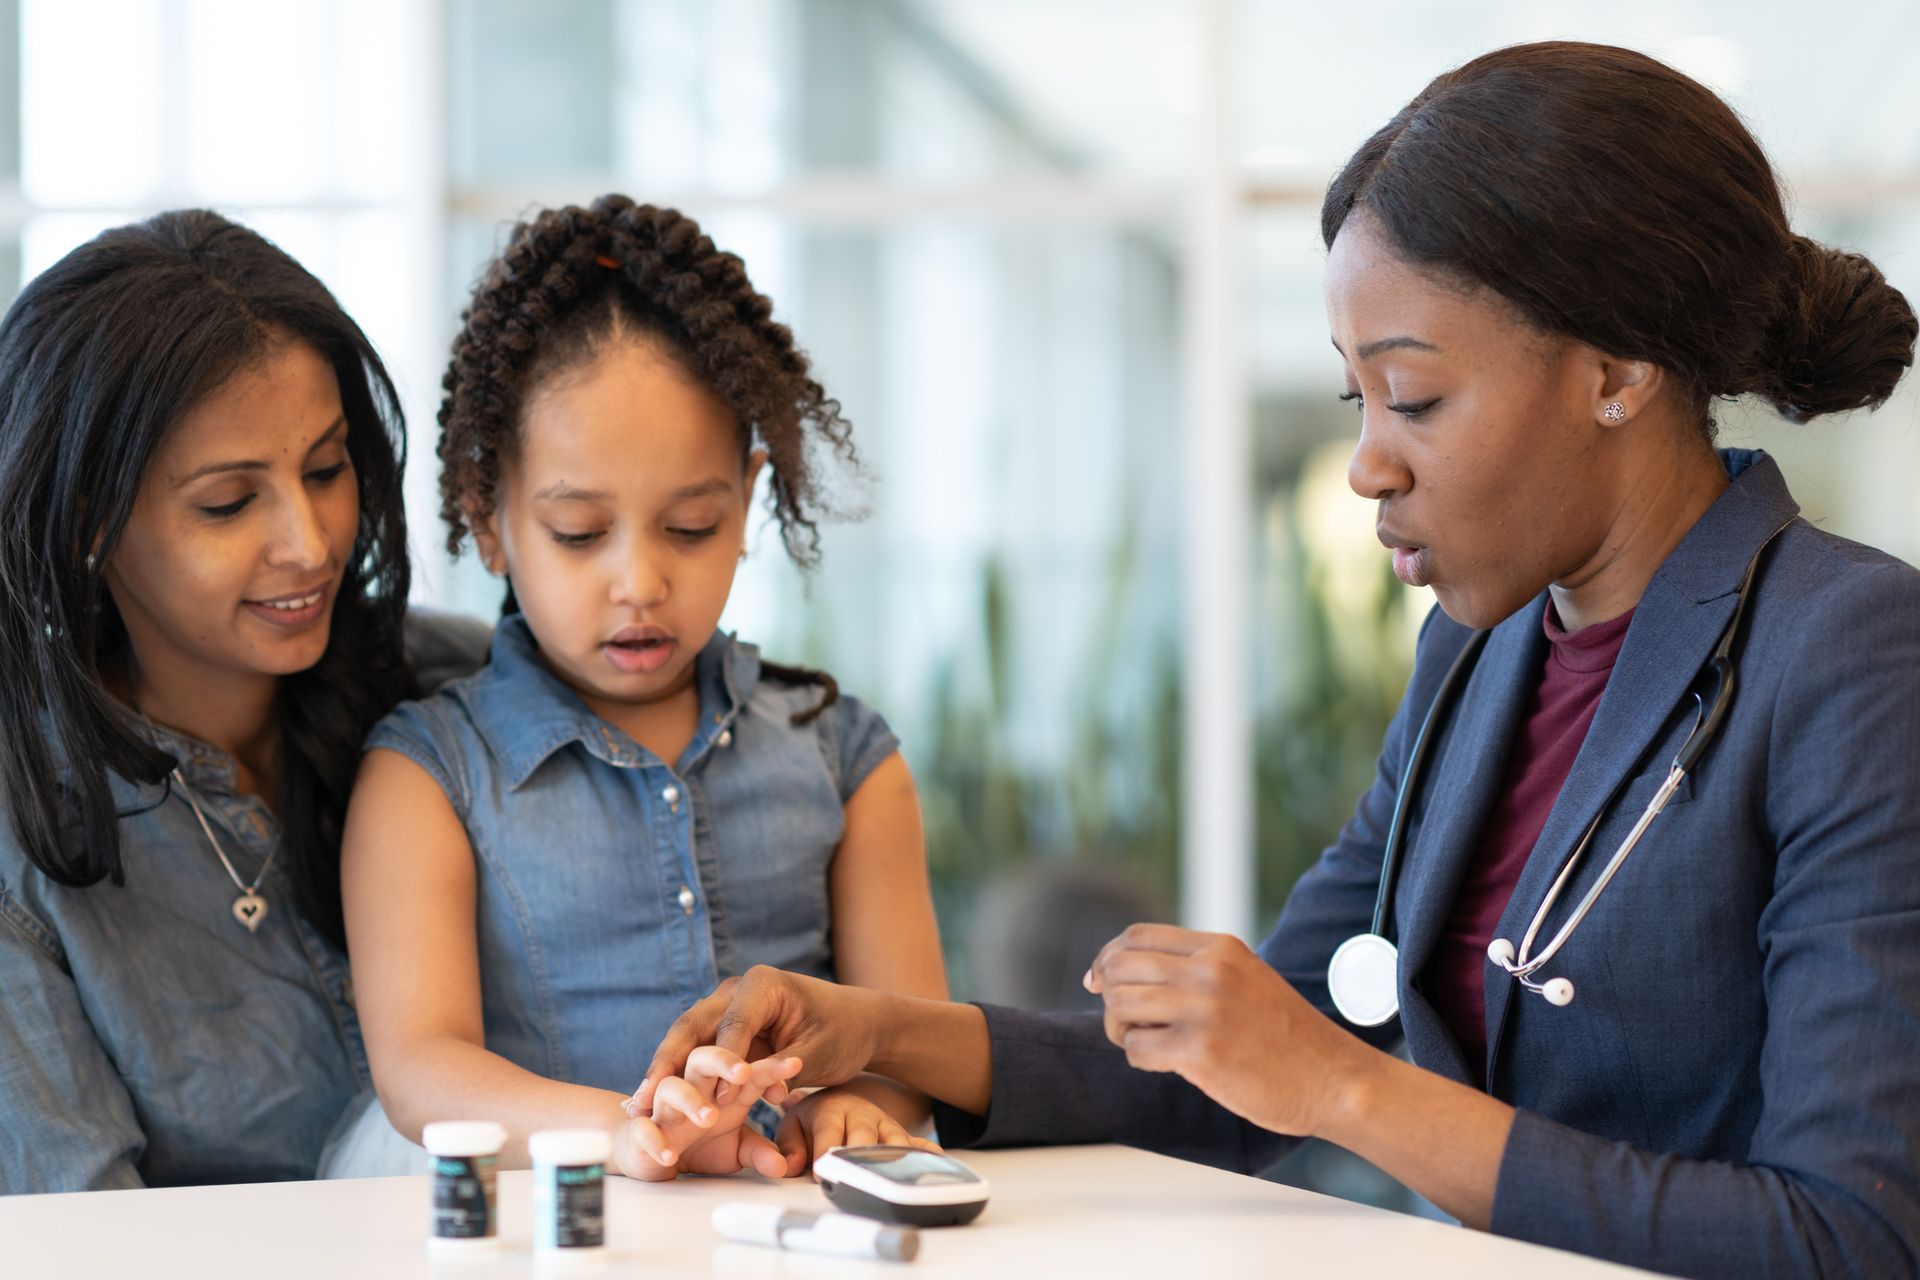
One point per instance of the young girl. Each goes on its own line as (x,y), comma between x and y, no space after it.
(547,862)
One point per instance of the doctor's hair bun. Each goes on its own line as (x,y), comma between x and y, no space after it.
(1844,339)
(1614,201)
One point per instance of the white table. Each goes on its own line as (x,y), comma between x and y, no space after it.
(1108,1212)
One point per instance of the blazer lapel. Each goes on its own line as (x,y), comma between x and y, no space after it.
(1675,627)
(1466,770)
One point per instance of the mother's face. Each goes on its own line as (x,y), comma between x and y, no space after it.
(243,528)
(1479,435)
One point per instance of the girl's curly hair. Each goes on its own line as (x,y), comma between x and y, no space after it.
(571,280)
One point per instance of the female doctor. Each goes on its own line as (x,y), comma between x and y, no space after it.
(1541,276)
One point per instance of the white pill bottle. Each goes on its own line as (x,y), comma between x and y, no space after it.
(463,1157)
(569,1194)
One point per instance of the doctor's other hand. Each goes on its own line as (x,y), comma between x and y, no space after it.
(1207,1007)
(832,1029)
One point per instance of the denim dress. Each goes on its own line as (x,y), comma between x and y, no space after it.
(614,888)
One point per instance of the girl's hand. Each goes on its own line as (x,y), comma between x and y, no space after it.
(1205,1006)
(699,1124)
(837,1118)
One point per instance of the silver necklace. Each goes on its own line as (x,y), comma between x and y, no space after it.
(249,908)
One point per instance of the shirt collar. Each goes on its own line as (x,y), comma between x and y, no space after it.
(1711,561)
(206,767)
(526,713)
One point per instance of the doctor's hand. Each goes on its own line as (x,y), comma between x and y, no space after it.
(832,1029)
(1205,1006)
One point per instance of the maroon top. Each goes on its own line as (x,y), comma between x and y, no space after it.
(1571,681)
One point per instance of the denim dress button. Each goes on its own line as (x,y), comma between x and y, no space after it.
(686,899)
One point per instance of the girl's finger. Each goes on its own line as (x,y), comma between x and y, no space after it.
(761,1156)
(710,1062)
(829,1130)
(862,1128)
(652,1144)
(675,1096)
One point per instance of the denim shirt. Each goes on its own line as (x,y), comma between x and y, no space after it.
(614,889)
(145,1036)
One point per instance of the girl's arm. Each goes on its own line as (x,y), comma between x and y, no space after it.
(884,932)
(408,887)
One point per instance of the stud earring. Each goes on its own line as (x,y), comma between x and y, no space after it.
(93,561)
(1615,412)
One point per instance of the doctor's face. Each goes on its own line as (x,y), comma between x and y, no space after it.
(1477,436)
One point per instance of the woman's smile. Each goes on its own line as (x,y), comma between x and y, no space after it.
(292,611)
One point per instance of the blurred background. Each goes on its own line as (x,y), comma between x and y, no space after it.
(1059,261)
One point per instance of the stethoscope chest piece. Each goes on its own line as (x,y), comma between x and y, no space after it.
(1363,979)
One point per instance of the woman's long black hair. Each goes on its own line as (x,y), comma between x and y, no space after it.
(99,357)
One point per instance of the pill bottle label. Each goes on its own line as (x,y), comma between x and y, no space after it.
(570,1206)
(463,1197)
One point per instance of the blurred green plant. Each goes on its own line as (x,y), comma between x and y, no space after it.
(1333,650)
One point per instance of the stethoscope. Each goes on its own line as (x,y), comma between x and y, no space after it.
(1363,975)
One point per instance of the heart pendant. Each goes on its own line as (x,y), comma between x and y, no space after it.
(250,909)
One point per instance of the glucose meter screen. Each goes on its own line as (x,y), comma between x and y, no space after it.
(910,1168)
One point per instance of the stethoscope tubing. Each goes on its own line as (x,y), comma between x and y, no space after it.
(1416,766)
(1711,714)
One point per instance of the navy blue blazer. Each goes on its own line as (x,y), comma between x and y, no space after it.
(1735,1091)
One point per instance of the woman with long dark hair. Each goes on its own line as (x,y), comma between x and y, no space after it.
(1636,881)
(203,581)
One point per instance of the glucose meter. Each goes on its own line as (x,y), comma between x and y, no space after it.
(901,1184)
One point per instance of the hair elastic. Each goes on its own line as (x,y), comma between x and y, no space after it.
(611,264)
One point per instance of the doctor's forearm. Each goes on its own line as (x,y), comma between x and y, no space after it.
(1438,1137)
(937,1047)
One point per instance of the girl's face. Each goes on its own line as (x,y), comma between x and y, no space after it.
(243,527)
(620,521)
(1481,438)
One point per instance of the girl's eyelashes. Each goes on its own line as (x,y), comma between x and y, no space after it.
(582,539)
(1353,397)
(326,475)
